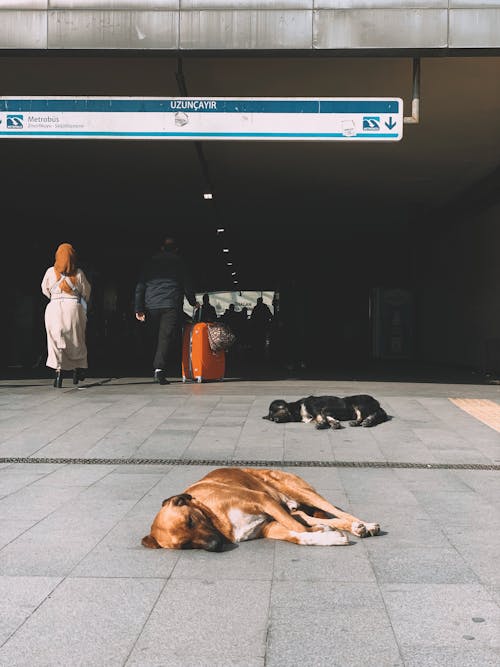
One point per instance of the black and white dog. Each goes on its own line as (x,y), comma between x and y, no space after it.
(329,411)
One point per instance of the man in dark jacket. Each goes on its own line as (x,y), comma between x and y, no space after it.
(208,312)
(159,296)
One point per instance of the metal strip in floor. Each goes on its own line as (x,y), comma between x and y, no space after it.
(238,463)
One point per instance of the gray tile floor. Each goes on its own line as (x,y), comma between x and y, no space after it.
(77,587)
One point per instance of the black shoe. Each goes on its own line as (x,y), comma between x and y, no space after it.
(58,379)
(160,377)
(78,375)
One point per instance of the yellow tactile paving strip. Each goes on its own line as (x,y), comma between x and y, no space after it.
(486,411)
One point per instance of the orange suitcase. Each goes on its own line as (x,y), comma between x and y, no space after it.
(198,361)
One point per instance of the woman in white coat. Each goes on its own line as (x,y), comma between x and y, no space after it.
(65,316)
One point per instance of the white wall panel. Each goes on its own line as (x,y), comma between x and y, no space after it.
(474,4)
(360,29)
(134,5)
(474,28)
(23,4)
(243,5)
(112,30)
(249,24)
(246,29)
(381,4)
(23,29)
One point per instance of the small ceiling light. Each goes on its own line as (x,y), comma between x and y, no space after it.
(235,282)
(229,263)
(233,273)
(207,195)
(225,249)
(220,230)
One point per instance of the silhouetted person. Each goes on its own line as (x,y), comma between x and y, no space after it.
(261,314)
(208,312)
(291,332)
(242,324)
(260,321)
(230,316)
(159,295)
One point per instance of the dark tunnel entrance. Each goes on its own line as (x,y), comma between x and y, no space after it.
(392,248)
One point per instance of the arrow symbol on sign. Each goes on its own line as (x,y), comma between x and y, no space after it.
(390,124)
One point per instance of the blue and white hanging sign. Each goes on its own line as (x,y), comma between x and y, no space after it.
(203,118)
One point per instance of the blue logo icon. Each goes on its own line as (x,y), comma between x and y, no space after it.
(15,121)
(371,123)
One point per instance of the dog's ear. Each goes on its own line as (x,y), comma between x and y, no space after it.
(150,542)
(181,499)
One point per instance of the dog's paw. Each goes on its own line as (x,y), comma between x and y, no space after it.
(324,528)
(292,504)
(354,423)
(365,529)
(372,528)
(322,425)
(330,538)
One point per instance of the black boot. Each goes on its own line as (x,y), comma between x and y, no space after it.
(58,379)
(160,377)
(78,375)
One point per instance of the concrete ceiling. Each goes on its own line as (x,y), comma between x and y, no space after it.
(272,198)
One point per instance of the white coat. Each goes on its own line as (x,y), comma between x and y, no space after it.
(65,322)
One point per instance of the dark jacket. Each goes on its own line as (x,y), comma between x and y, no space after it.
(163,282)
(208,313)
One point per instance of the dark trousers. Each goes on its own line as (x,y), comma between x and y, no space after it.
(162,324)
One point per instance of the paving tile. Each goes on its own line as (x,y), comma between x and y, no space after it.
(116,557)
(365,486)
(466,654)
(325,480)
(438,619)
(13,479)
(74,475)
(19,597)
(401,527)
(342,564)
(36,502)
(59,541)
(425,481)
(248,561)
(345,618)
(479,550)
(428,565)
(462,508)
(263,453)
(191,619)
(10,529)
(165,444)
(483,482)
(84,622)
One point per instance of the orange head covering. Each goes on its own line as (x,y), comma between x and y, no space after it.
(65,264)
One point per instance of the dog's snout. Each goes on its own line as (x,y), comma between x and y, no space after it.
(216,543)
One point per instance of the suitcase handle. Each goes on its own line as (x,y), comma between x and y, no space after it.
(196,315)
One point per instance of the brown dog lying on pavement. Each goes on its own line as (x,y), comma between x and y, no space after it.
(231,505)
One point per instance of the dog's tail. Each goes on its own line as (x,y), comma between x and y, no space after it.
(377,417)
